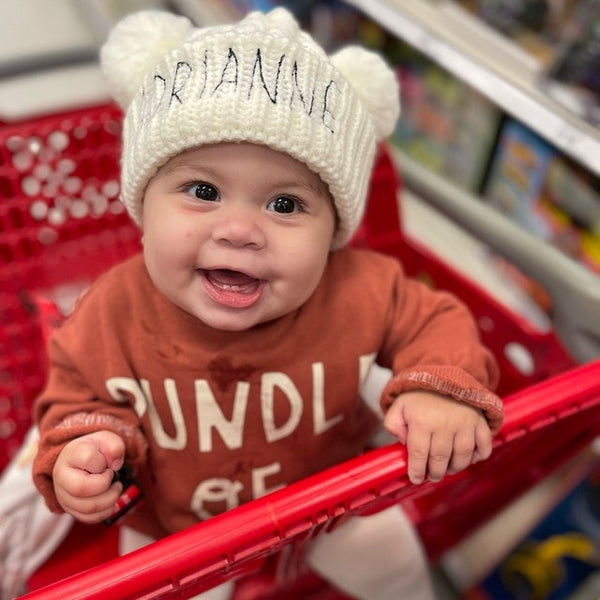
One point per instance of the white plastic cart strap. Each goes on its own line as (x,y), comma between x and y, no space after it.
(29,532)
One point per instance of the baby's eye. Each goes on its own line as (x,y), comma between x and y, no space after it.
(285,205)
(203,191)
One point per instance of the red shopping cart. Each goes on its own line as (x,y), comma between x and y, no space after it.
(61,224)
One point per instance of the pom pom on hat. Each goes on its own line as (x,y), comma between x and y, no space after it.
(375,84)
(277,19)
(136,45)
(262,80)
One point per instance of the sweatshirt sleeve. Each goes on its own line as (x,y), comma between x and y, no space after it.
(73,404)
(433,344)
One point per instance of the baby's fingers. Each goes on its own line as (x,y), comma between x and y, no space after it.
(95,508)
(429,455)
(471,447)
(94,453)
(440,451)
(80,483)
(462,451)
(418,445)
(483,442)
(418,453)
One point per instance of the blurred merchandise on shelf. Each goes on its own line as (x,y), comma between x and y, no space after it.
(537,26)
(563,36)
(332,23)
(546,193)
(573,78)
(445,125)
(560,558)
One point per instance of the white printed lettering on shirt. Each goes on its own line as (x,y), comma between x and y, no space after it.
(259,476)
(217,489)
(226,492)
(210,416)
(267,384)
(163,439)
(119,388)
(321,424)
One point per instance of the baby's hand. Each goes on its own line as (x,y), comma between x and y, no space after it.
(83,476)
(441,434)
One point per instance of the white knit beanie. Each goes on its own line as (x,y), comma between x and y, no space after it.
(261,80)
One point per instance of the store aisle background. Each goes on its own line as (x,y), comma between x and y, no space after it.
(48,63)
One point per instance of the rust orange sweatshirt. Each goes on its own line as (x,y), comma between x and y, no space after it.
(212,419)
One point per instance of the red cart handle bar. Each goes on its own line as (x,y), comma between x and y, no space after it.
(236,541)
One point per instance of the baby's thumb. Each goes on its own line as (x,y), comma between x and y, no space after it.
(112,447)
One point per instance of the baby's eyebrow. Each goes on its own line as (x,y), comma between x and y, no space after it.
(187,168)
(290,184)
(298,183)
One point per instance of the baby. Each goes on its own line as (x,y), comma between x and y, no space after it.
(226,360)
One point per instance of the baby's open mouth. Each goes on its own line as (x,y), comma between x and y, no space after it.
(227,279)
(232,288)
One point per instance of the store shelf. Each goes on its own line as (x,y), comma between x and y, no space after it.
(476,54)
(48,60)
(575,290)
(61,37)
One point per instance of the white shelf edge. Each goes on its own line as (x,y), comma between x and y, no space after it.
(429,29)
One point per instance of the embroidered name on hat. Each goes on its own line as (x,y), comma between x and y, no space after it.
(219,76)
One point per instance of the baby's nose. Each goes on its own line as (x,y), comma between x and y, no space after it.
(240,229)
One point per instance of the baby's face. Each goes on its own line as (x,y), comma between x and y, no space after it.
(236,234)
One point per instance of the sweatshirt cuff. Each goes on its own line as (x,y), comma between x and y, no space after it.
(449,381)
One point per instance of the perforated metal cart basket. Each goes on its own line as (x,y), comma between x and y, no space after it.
(61,223)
